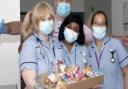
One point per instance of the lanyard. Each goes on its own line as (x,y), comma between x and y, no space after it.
(69,57)
(98,59)
(43,52)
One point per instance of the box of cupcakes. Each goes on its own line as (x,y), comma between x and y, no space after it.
(71,77)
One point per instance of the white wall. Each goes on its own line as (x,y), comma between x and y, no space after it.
(9,72)
(117,17)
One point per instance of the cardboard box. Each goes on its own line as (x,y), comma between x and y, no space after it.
(86,83)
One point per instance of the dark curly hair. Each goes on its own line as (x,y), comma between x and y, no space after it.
(72,17)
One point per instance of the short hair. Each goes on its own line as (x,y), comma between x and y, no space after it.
(72,17)
(99,12)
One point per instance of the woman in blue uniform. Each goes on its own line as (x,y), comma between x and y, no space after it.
(38,54)
(107,55)
(71,41)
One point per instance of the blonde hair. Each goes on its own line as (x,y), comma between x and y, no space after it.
(32,18)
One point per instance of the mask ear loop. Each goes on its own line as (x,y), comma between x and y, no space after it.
(42,51)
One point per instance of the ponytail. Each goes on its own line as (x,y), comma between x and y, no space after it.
(27,25)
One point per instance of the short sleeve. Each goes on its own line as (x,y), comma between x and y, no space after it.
(2,26)
(122,54)
(27,58)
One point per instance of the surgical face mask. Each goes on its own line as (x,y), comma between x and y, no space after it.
(63,9)
(99,32)
(70,36)
(46,27)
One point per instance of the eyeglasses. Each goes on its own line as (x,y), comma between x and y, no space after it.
(64,1)
(99,24)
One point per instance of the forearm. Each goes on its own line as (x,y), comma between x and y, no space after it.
(126,81)
(13,28)
(125,71)
(29,77)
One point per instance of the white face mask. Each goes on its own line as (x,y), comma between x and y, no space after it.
(99,32)
(63,9)
(70,36)
(46,27)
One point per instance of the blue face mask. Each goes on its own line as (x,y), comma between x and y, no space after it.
(63,9)
(70,36)
(99,32)
(46,27)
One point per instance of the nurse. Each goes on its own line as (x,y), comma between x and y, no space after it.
(107,55)
(37,55)
(71,41)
